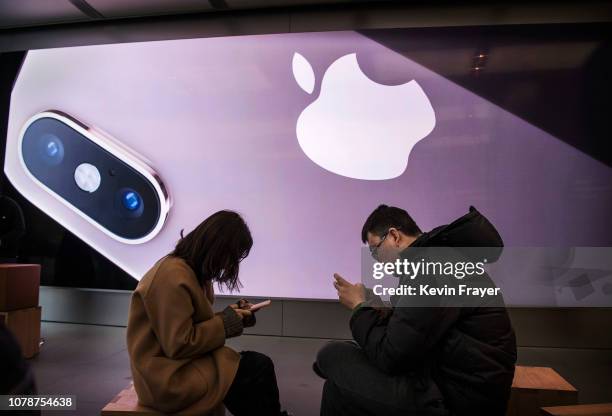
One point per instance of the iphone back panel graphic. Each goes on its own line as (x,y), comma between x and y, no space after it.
(216,118)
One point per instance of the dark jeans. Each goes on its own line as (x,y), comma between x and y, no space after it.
(355,387)
(254,390)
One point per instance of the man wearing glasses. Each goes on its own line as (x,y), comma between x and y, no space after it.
(418,360)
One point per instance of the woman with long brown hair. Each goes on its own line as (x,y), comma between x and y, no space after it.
(179,360)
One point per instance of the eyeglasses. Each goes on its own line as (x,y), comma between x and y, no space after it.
(374,249)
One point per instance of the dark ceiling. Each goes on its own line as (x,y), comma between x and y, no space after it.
(28,13)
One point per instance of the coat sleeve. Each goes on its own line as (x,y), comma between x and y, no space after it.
(169,305)
(401,343)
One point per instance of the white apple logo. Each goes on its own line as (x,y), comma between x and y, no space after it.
(356,127)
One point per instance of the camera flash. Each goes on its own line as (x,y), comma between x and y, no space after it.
(87,177)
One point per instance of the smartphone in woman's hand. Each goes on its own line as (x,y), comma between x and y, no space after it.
(260,305)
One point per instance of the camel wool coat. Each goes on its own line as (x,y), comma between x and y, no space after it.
(179,362)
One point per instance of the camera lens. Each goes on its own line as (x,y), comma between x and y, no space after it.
(51,149)
(129,202)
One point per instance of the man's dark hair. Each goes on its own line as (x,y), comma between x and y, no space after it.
(215,248)
(385,217)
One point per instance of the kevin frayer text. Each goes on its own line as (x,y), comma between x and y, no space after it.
(427,290)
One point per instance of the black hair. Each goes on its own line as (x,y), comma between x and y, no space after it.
(385,217)
(215,248)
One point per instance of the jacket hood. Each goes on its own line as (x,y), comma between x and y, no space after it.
(471,230)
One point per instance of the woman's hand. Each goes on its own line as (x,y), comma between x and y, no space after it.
(243,313)
(247,317)
(242,304)
(242,309)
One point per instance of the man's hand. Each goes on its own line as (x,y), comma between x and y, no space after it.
(350,295)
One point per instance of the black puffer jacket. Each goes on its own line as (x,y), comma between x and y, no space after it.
(469,353)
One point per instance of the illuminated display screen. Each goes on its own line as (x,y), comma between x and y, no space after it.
(305,134)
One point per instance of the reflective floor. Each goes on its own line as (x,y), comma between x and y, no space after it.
(91,362)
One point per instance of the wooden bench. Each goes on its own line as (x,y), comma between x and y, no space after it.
(19,287)
(536,387)
(126,402)
(532,389)
(25,326)
(600,409)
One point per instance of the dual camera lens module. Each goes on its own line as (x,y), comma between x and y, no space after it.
(109,187)
(87,177)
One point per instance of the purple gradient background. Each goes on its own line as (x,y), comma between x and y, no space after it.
(217,118)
